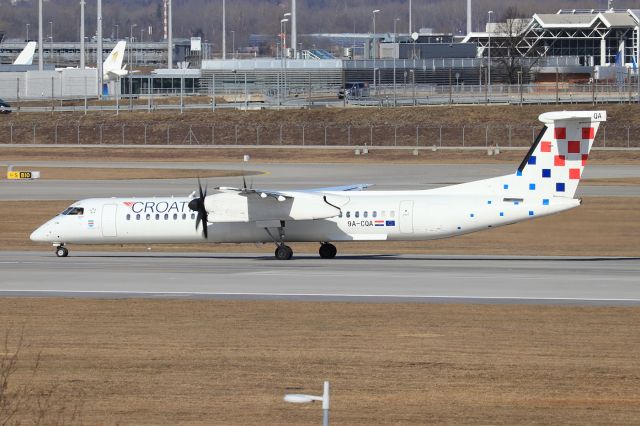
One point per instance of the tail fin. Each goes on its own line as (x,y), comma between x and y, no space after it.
(552,167)
(554,164)
(113,63)
(26,56)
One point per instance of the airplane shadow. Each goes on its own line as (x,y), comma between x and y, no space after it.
(351,257)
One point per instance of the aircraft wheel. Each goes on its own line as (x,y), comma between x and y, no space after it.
(62,252)
(327,251)
(284,252)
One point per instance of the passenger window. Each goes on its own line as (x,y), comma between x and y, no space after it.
(357,214)
(157,216)
(392,213)
(348,215)
(175,216)
(184,216)
(166,216)
(193,215)
(128,217)
(138,217)
(383,214)
(365,214)
(374,214)
(148,216)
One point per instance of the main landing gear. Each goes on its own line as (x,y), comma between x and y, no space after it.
(283,252)
(327,251)
(61,251)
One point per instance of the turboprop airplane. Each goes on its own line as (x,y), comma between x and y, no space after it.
(26,56)
(544,183)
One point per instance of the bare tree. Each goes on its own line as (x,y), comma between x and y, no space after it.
(22,401)
(510,47)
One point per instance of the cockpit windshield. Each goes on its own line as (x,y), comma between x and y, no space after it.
(73,211)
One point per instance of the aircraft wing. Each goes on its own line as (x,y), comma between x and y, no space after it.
(262,193)
(248,204)
(354,187)
(283,195)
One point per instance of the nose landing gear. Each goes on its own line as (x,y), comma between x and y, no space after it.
(61,251)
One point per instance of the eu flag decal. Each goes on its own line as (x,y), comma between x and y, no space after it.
(391,223)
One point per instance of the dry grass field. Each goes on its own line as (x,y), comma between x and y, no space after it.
(284,155)
(231,362)
(618,115)
(98,173)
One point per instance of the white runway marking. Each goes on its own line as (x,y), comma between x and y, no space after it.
(310,295)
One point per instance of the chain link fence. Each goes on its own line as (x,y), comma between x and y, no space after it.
(306,134)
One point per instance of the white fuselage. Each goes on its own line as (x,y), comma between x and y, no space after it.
(363,216)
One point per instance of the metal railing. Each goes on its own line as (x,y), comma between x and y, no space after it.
(303,134)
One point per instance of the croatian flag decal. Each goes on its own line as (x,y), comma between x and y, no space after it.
(379,222)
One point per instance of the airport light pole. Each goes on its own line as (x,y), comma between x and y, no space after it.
(51,40)
(170,36)
(224,30)
(131,43)
(40,48)
(233,44)
(410,10)
(305,399)
(284,33)
(27,32)
(99,49)
(489,54)
(374,49)
(283,58)
(396,48)
(82,3)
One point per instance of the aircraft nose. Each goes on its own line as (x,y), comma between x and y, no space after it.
(39,235)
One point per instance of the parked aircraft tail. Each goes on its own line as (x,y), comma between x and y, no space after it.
(113,63)
(26,56)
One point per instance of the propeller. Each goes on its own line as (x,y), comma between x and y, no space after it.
(197,205)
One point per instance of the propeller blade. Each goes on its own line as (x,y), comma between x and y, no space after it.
(197,205)
(205,228)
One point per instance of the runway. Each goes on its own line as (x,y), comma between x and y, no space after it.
(375,278)
(292,176)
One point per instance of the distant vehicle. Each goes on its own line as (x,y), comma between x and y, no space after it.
(5,108)
(354,90)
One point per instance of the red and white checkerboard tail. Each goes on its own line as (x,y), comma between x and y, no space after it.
(554,164)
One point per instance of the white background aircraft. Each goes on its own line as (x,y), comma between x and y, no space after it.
(26,56)
(544,183)
(112,67)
